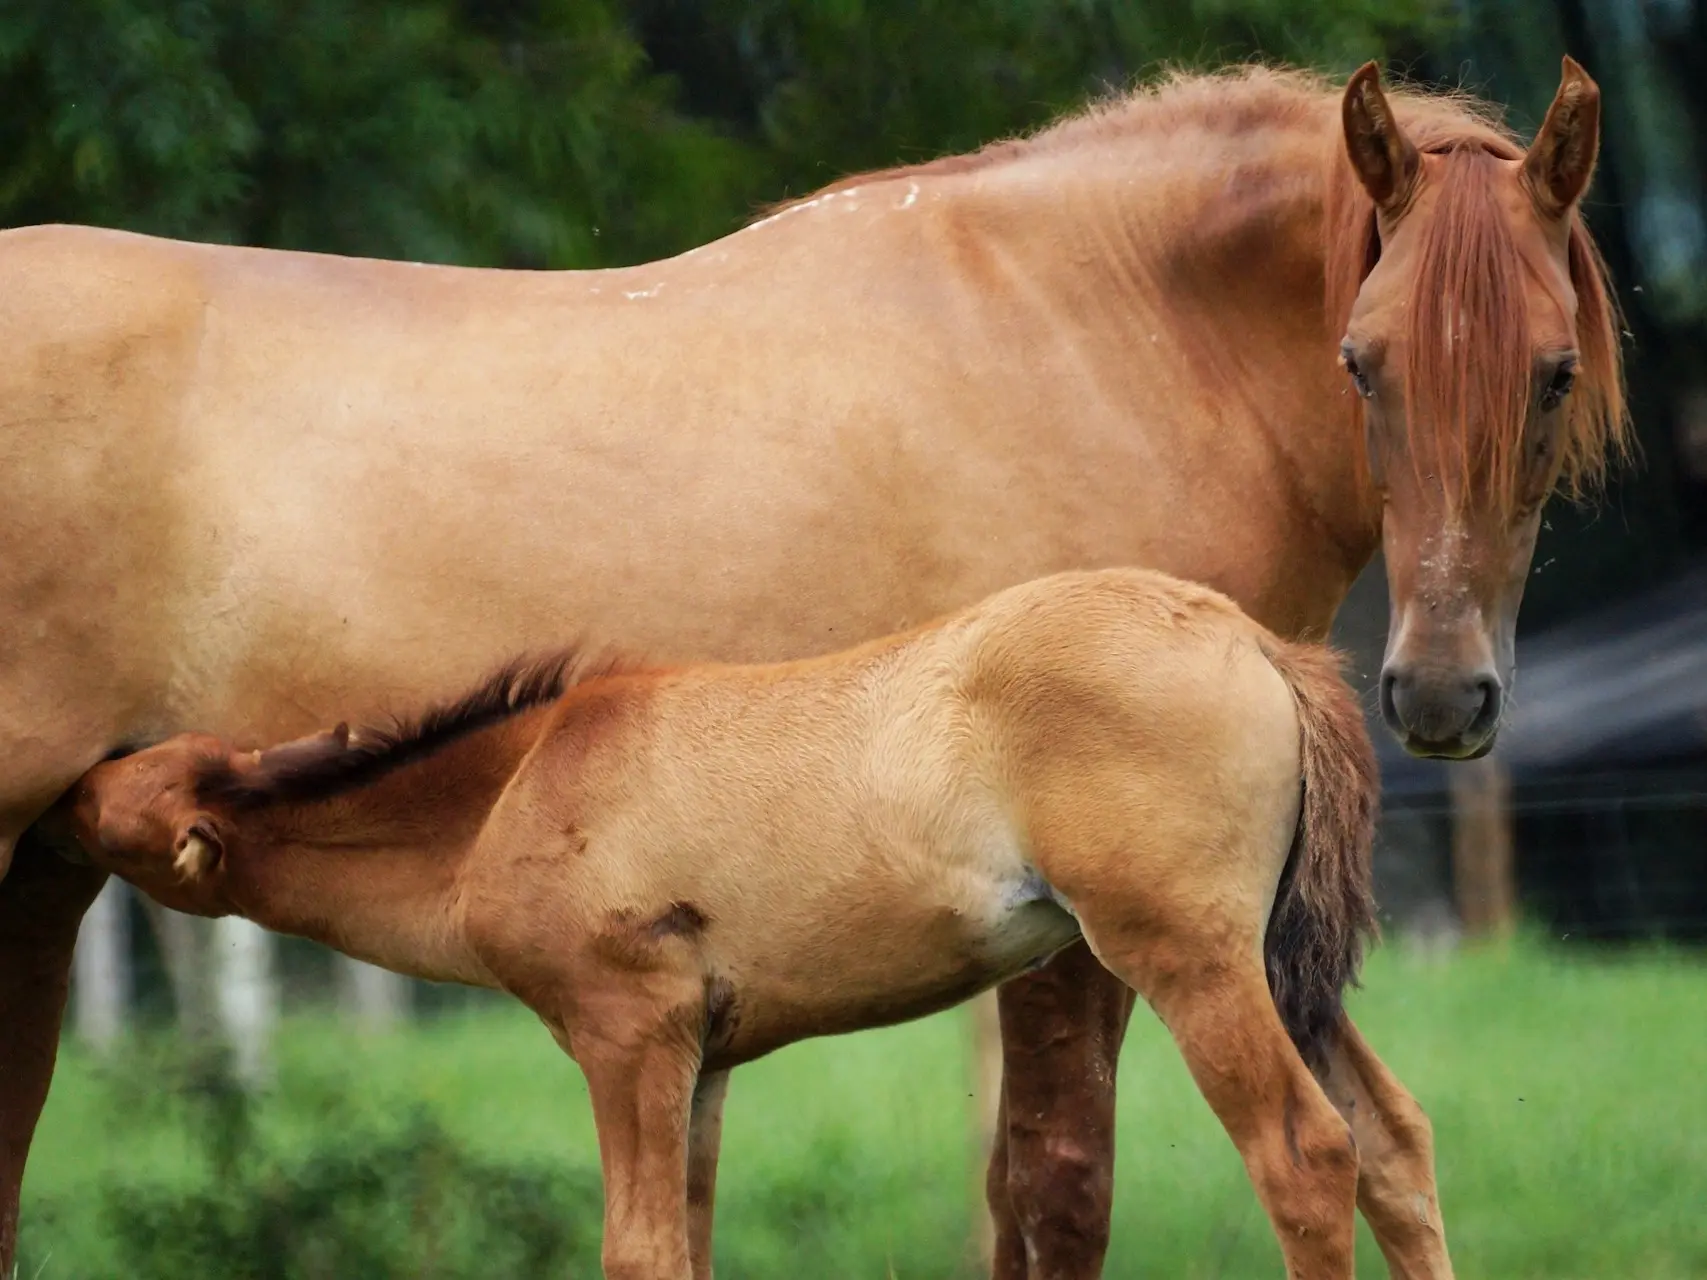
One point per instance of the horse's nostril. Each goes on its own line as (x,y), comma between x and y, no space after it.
(1389,695)
(1488,701)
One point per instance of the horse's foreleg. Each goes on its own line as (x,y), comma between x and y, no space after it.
(1395,1184)
(42,901)
(1051,1179)
(705,1135)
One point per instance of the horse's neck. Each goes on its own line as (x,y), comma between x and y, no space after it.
(1203,260)
(374,872)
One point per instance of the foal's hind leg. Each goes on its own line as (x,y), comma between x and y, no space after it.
(1208,987)
(705,1135)
(1051,1176)
(1395,1184)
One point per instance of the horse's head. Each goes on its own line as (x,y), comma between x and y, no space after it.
(139,817)
(1484,345)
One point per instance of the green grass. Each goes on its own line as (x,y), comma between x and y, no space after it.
(1569,1097)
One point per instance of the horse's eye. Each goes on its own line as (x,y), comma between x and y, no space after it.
(1553,395)
(1359,379)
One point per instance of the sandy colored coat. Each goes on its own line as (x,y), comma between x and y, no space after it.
(680,872)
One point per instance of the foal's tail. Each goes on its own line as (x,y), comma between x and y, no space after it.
(1324,908)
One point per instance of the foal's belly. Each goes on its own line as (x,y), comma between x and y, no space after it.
(924,958)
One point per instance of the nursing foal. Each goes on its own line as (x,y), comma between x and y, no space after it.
(679,871)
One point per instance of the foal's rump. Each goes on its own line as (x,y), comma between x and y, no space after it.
(1173,744)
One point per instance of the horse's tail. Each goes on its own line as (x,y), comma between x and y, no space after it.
(1324,908)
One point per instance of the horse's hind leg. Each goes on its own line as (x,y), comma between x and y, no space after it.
(1395,1184)
(42,901)
(1051,1176)
(705,1136)
(1208,987)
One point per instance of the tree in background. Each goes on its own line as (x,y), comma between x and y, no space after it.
(396,129)
(830,86)
(560,132)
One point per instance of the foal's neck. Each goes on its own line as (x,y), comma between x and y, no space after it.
(373,872)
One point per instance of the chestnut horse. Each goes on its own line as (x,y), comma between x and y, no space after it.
(681,872)
(244,488)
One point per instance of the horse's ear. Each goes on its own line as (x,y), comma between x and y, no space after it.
(1383,157)
(1561,160)
(198,848)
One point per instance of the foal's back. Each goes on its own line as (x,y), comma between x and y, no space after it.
(866,837)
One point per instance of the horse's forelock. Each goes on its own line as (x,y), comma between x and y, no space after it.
(1473,393)
(1468,371)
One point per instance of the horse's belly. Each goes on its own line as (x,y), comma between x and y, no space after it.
(918,963)
(1029,935)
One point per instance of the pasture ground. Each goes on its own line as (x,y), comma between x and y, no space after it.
(1568,1091)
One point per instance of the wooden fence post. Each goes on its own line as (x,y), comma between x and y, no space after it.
(222,983)
(374,999)
(101,972)
(1484,849)
(247,994)
(986,1085)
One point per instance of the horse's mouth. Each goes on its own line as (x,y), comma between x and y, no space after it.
(1455,751)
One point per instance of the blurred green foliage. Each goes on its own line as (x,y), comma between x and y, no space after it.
(853,1156)
(560,132)
(374,1191)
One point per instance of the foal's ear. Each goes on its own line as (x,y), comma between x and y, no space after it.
(198,849)
(1561,159)
(300,750)
(1385,161)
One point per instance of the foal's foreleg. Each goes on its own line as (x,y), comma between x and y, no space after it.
(42,901)
(1395,1184)
(1051,1177)
(705,1136)
(638,1039)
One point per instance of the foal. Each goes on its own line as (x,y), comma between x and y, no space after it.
(679,871)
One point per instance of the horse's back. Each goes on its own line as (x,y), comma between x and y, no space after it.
(91,320)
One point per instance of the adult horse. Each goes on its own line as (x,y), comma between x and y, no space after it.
(246,491)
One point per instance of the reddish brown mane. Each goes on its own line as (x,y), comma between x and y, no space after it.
(1233,99)
(1470,262)
(336,763)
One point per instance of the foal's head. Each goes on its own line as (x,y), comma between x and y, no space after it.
(147,816)
(1483,344)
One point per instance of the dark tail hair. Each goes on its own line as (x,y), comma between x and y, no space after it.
(1324,908)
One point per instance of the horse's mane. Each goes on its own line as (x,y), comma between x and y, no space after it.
(1231,100)
(1469,264)
(335,763)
